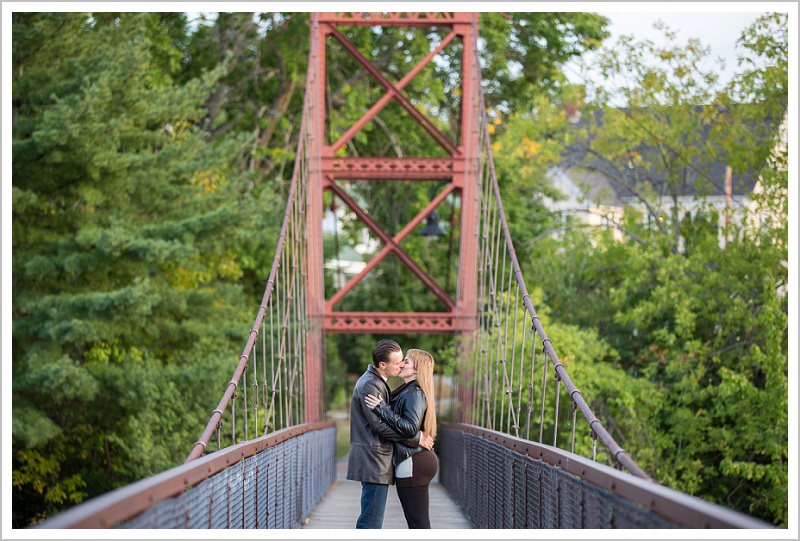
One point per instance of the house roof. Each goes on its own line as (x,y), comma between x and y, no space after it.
(348,253)
(608,182)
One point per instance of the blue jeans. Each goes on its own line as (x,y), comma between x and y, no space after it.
(373,505)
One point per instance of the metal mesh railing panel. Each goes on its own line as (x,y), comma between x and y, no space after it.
(451,463)
(262,487)
(274,489)
(236,498)
(631,516)
(167,515)
(596,513)
(198,502)
(480,500)
(507,497)
(532,481)
(496,487)
(519,492)
(250,503)
(219,516)
(270,469)
(570,502)
(500,488)
(548,490)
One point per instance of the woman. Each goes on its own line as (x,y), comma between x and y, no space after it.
(412,409)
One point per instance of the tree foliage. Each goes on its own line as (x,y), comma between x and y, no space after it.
(150,154)
(692,300)
(132,233)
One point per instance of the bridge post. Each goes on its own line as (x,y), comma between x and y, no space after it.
(314,375)
(467,292)
(466,299)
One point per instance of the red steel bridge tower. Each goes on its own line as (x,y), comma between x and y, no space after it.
(458,171)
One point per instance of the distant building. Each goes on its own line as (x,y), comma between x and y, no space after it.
(348,264)
(350,259)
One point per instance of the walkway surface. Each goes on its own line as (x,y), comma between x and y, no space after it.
(340,507)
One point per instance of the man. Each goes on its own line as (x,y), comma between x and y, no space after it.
(371,449)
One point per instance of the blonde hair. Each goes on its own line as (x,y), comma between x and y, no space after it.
(423,364)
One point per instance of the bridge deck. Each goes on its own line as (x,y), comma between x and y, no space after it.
(340,507)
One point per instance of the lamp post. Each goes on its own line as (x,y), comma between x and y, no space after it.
(432,228)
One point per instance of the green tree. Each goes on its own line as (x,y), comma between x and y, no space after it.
(690,301)
(130,235)
(525,53)
(261,92)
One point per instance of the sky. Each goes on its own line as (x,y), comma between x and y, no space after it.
(718,30)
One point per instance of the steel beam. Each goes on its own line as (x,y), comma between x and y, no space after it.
(388,168)
(393,18)
(390,322)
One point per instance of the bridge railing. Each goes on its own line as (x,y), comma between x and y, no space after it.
(505,482)
(263,405)
(272,481)
(512,379)
(273,362)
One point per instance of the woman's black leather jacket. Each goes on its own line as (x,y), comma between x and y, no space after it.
(405,416)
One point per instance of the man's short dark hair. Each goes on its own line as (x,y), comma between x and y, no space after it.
(383,349)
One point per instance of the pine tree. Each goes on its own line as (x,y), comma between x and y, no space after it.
(130,233)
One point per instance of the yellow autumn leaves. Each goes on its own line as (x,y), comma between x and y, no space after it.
(527,147)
